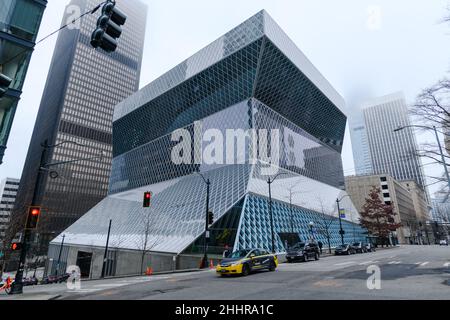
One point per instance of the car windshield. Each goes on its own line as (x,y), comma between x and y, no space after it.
(356,244)
(239,254)
(344,246)
(298,246)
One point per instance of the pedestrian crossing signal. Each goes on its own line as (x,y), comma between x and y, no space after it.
(210,218)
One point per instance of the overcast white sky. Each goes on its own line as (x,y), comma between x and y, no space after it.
(364,48)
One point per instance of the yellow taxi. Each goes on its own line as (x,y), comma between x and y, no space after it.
(243,262)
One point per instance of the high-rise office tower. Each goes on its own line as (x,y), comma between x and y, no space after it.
(389,152)
(360,146)
(8,193)
(83,86)
(19,25)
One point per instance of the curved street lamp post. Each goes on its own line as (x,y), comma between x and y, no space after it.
(341,230)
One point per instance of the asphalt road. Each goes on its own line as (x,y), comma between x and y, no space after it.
(407,272)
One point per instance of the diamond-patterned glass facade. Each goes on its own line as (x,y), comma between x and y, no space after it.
(244,80)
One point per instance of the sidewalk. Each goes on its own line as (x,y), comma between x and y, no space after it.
(53,291)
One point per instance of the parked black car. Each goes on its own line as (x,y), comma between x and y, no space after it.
(55,279)
(30,281)
(344,249)
(303,251)
(370,247)
(359,247)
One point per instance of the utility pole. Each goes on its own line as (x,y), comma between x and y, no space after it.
(106,251)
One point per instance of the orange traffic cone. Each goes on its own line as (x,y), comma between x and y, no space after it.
(211,264)
(149,271)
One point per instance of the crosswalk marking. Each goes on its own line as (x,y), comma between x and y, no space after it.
(447,264)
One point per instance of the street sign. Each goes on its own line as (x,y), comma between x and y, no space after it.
(342,213)
(207,234)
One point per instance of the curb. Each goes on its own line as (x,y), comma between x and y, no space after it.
(143,275)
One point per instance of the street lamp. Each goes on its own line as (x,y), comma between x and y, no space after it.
(204,263)
(269,182)
(341,231)
(438,142)
(17,286)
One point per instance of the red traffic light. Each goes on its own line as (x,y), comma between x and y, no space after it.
(16,246)
(147,199)
(33,217)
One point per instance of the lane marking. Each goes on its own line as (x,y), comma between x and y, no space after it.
(109,285)
(344,263)
(395,262)
(417,263)
(447,264)
(364,263)
(424,264)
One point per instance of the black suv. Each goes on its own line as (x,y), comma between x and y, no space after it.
(303,251)
(344,249)
(359,247)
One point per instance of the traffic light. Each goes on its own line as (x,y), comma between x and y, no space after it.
(16,246)
(108,27)
(4,84)
(147,199)
(33,217)
(210,218)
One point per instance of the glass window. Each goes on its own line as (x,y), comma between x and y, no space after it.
(21,18)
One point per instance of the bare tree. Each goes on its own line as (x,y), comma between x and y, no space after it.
(323,223)
(150,238)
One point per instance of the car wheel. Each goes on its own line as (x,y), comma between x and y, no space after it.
(305,258)
(245,270)
(316,257)
(348,252)
(272,266)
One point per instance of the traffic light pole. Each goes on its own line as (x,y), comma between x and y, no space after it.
(205,240)
(17,286)
(59,255)
(105,256)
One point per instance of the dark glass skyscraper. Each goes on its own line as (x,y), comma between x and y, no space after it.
(19,25)
(83,86)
